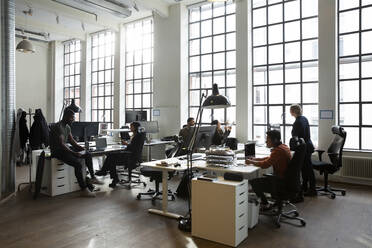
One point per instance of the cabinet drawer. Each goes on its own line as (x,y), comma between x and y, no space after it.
(60,189)
(62,180)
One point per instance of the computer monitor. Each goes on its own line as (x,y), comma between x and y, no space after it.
(150,126)
(205,136)
(131,116)
(81,130)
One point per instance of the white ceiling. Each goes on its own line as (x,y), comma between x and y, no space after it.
(63,23)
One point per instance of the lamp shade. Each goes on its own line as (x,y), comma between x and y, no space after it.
(75,108)
(25,46)
(216,100)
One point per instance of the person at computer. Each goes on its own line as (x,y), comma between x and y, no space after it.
(220,136)
(279,158)
(301,129)
(60,136)
(113,159)
(186,133)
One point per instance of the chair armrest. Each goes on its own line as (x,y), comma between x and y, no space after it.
(320,153)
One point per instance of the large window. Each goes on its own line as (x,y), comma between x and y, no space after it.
(139,66)
(103,50)
(212,58)
(71,73)
(285,64)
(355,74)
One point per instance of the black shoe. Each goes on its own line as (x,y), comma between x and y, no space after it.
(311,192)
(100,173)
(113,183)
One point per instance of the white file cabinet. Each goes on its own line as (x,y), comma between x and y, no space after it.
(59,178)
(220,211)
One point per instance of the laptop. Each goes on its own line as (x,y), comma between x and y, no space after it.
(101,144)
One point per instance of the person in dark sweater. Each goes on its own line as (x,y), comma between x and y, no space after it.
(279,158)
(220,136)
(301,129)
(129,159)
(65,148)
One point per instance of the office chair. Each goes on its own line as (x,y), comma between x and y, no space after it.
(335,156)
(287,188)
(156,175)
(134,160)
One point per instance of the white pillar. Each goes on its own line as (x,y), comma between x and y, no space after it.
(170,69)
(243,72)
(119,78)
(327,68)
(57,80)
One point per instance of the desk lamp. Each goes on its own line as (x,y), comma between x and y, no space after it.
(213,101)
(75,108)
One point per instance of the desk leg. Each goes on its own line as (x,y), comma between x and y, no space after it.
(165,212)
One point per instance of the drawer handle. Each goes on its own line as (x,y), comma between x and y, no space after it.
(59,186)
(60,169)
(241,215)
(241,228)
(240,203)
(60,177)
(242,193)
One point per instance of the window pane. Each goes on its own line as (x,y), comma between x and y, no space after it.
(259,36)
(260,115)
(310,50)
(349,114)
(310,93)
(349,91)
(366,42)
(293,93)
(275,54)
(366,138)
(349,21)
(259,56)
(309,8)
(275,115)
(366,90)
(276,33)
(292,73)
(292,52)
(349,44)
(276,74)
(275,94)
(259,75)
(292,31)
(310,28)
(311,113)
(352,141)
(366,114)
(349,68)
(260,95)
(366,18)
(291,10)
(259,17)
(275,13)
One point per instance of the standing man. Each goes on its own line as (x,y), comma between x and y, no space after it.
(72,153)
(186,133)
(301,129)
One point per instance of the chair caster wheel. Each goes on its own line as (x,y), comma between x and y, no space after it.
(343,193)
(303,223)
(333,196)
(138,197)
(173,198)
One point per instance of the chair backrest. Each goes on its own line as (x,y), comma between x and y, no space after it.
(336,147)
(137,154)
(292,174)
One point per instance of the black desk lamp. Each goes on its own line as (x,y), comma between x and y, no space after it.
(75,108)
(213,101)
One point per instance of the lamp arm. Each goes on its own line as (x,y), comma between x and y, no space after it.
(63,108)
(197,126)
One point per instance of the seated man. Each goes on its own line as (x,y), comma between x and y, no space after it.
(186,133)
(220,136)
(278,159)
(60,135)
(135,147)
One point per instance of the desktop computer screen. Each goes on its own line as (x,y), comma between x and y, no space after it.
(82,130)
(131,116)
(205,136)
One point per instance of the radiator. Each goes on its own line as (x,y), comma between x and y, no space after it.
(356,167)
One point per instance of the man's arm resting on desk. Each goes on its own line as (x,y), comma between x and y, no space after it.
(261,162)
(74,144)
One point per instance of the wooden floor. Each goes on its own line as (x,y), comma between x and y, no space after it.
(116,219)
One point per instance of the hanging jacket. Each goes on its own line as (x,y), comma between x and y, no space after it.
(39,132)
(23,130)
(16,151)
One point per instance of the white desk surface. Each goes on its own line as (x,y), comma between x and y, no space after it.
(155,142)
(199,164)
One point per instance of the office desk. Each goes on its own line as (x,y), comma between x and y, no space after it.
(165,170)
(199,164)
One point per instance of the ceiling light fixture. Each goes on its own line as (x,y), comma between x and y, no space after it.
(25,46)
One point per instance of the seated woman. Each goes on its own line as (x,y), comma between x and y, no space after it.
(128,159)
(279,158)
(220,136)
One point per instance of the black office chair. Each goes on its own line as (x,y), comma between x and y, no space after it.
(287,188)
(157,176)
(335,156)
(134,160)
